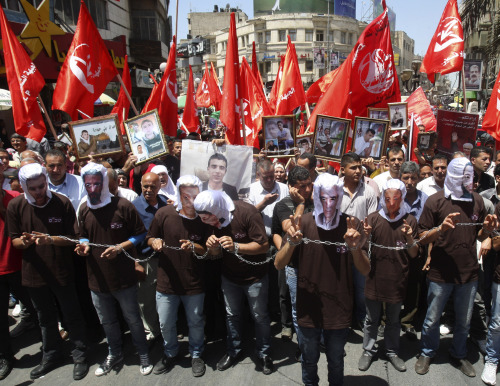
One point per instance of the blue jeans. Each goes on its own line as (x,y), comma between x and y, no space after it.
(256,295)
(359,295)
(291,281)
(167,306)
(105,305)
(335,340)
(463,300)
(493,340)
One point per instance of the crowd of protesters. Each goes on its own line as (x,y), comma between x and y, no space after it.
(386,247)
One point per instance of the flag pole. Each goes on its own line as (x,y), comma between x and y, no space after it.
(176,19)
(47,117)
(463,87)
(127,94)
(243,127)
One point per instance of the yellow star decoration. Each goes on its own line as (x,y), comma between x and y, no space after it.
(39,24)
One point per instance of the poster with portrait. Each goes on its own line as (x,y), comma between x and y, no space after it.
(319,58)
(456,131)
(145,136)
(370,137)
(330,137)
(398,115)
(98,136)
(230,169)
(378,113)
(334,60)
(426,141)
(279,135)
(473,71)
(305,143)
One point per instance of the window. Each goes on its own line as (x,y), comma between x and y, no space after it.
(309,35)
(146,25)
(309,65)
(319,36)
(282,35)
(350,39)
(268,36)
(293,34)
(68,11)
(343,37)
(260,37)
(11,4)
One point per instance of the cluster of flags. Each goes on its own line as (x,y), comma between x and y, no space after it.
(367,78)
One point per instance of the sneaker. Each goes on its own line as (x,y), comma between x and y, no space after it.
(397,362)
(198,367)
(146,366)
(267,365)
(489,375)
(17,310)
(365,361)
(21,328)
(108,365)
(444,329)
(286,333)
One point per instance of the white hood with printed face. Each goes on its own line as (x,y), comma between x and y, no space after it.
(330,187)
(105,196)
(28,172)
(217,203)
(189,180)
(393,184)
(459,180)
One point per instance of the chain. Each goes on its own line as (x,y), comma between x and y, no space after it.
(252,262)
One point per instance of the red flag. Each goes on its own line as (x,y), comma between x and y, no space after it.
(367,78)
(25,83)
(446,51)
(420,108)
(190,115)
(319,87)
(214,75)
(255,66)
(491,119)
(255,104)
(86,71)
(230,107)
(208,93)
(164,96)
(291,91)
(122,105)
(273,95)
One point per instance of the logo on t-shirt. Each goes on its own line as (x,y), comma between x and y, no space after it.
(240,235)
(116,225)
(195,237)
(55,220)
(400,244)
(342,249)
(474,217)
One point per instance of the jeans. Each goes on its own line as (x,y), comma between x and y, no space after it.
(167,306)
(335,341)
(105,305)
(256,294)
(43,301)
(391,331)
(437,296)
(146,297)
(291,281)
(493,340)
(285,306)
(359,295)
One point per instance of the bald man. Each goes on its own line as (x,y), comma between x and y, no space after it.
(147,204)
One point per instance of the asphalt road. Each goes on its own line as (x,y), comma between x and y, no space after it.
(246,372)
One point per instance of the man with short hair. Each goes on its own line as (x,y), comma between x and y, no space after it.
(395,157)
(415,199)
(308,161)
(180,273)
(35,222)
(61,182)
(109,220)
(480,160)
(425,172)
(217,169)
(118,191)
(364,144)
(173,160)
(151,138)
(435,183)
(4,157)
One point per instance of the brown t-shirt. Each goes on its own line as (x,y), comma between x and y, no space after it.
(247,226)
(44,264)
(324,281)
(388,275)
(179,272)
(112,224)
(453,254)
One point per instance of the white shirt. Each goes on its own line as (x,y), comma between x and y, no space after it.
(360,145)
(72,187)
(257,194)
(429,186)
(129,194)
(381,179)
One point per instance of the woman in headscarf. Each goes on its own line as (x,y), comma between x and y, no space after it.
(279,173)
(168,189)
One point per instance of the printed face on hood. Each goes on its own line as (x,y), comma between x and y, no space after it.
(393,200)
(93,186)
(328,199)
(37,188)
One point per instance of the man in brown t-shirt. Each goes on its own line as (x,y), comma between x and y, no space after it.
(240,235)
(324,282)
(114,223)
(35,219)
(454,266)
(180,275)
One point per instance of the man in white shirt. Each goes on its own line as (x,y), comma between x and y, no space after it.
(117,191)
(435,183)
(396,157)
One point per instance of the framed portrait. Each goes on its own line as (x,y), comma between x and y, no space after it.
(370,137)
(279,135)
(473,71)
(97,136)
(377,113)
(426,141)
(330,137)
(319,57)
(398,115)
(145,136)
(65,138)
(305,143)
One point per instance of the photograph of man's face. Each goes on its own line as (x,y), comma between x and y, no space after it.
(148,129)
(93,186)
(217,169)
(305,145)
